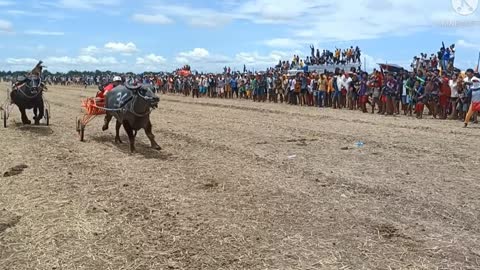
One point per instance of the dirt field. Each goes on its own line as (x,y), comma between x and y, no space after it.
(240,185)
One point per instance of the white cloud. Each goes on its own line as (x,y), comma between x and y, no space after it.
(255,58)
(151,59)
(35,49)
(81,60)
(65,63)
(152,62)
(279,11)
(152,19)
(283,43)
(5,26)
(111,47)
(43,33)
(466,44)
(197,53)
(21,61)
(371,62)
(195,16)
(109,60)
(87,59)
(17,12)
(87,4)
(202,60)
(51,14)
(119,47)
(6,3)
(90,50)
(325,20)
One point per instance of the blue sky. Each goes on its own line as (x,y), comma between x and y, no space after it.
(138,35)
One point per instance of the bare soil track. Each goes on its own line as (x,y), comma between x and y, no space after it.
(240,185)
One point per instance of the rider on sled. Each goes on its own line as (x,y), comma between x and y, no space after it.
(117,80)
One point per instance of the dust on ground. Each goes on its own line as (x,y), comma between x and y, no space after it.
(239,185)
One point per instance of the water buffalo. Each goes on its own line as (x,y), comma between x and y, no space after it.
(131,106)
(27,93)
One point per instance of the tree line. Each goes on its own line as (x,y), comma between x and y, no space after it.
(72,73)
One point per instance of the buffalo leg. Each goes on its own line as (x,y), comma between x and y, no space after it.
(131,137)
(35,112)
(107,120)
(40,113)
(151,137)
(25,120)
(117,132)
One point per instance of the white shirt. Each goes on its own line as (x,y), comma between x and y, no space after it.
(476,84)
(269,83)
(466,80)
(346,81)
(453,87)
(339,82)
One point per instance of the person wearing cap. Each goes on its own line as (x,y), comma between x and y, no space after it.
(117,80)
(473,84)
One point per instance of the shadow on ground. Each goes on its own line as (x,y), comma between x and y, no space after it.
(142,148)
(42,129)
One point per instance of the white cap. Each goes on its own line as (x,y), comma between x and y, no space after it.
(117,79)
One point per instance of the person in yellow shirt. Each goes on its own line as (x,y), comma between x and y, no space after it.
(330,90)
(322,91)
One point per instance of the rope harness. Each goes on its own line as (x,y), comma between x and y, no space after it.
(129,106)
(21,88)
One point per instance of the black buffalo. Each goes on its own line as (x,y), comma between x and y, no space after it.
(27,94)
(131,106)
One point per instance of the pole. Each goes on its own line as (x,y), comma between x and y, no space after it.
(365,63)
(478,61)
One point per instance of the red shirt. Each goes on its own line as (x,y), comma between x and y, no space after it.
(445,88)
(380,80)
(106,89)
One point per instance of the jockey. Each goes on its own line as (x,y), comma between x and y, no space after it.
(117,80)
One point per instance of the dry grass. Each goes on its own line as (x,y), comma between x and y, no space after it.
(240,186)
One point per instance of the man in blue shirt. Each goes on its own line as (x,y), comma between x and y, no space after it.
(304,89)
(234,86)
(445,59)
